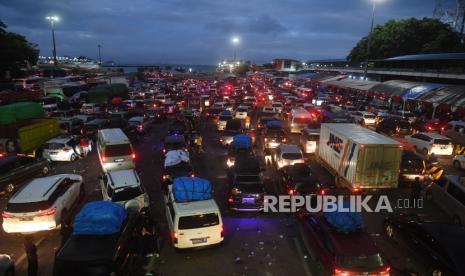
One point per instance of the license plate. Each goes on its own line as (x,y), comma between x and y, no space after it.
(443,147)
(119,160)
(248,200)
(197,241)
(26,219)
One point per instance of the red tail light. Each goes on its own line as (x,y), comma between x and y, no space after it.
(235,191)
(66,149)
(222,231)
(4,215)
(192,175)
(47,213)
(133,156)
(103,159)
(290,192)
(230,200)
(175,237)
(322,192)
(164,177)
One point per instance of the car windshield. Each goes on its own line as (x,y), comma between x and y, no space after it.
(53,146)
(441,141)
(370,262)
(118,150)
(182,169)
(303,121)
(126,194)
(251,188)
(28,207)
(225,117)
(292,156)
(275,133)
(198,221)
(248,178)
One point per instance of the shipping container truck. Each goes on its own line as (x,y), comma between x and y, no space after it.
(359,158)
(27,136)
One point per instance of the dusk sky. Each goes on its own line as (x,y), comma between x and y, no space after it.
(200,31)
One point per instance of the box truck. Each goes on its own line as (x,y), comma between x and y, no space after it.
(359,158)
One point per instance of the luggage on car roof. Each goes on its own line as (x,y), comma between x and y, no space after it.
(191,189)
(174,157)
(99,218)
(273,124)
(345,222)
(241,141)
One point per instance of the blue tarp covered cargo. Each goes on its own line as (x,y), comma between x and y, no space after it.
(191,189)
(345,222)
(241,141)
(99,218)
(273,124)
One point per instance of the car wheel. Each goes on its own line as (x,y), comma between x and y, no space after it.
(63,218)
(73,157)
(11,146)
(82,193)
(389,231)
(10,272)
(457,165)
(45,170)
(424,152)
(436,272)
(10,188)
(429,195)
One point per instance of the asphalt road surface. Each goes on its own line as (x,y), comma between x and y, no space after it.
(255,244)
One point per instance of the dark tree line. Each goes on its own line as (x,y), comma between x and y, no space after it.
(407,37)
(15,52)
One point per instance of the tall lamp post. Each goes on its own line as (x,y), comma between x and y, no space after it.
(235,40)
(99,54)
(365,71)
(52,20)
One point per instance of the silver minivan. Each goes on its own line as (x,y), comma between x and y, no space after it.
(449,194)
(115,150)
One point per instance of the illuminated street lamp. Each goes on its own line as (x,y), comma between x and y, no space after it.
(235,41)
(365,71)
(52,20)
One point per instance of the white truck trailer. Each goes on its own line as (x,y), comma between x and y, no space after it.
(359,158)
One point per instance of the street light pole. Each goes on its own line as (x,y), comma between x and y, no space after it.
(99,55)
(52,20)
(235,41)
(365,71)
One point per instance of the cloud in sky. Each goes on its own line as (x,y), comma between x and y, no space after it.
(199,31)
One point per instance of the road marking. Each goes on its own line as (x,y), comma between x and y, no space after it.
(300,252)
(23,257)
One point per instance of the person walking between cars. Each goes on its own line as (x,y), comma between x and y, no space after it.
(416,189)
(31,254)
(85,145)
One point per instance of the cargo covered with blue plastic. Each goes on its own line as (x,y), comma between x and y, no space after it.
(241,141)
(274,124)
(187,189)
(345,222)
(99,218)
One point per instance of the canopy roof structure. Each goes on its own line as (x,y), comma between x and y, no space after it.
(361,85)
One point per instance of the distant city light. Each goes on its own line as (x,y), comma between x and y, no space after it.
(190,70)
(235,40)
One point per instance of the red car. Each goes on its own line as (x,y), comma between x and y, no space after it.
(340,253)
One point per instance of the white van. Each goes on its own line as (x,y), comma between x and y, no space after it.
(194,223)
(115,150)
(299,119)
